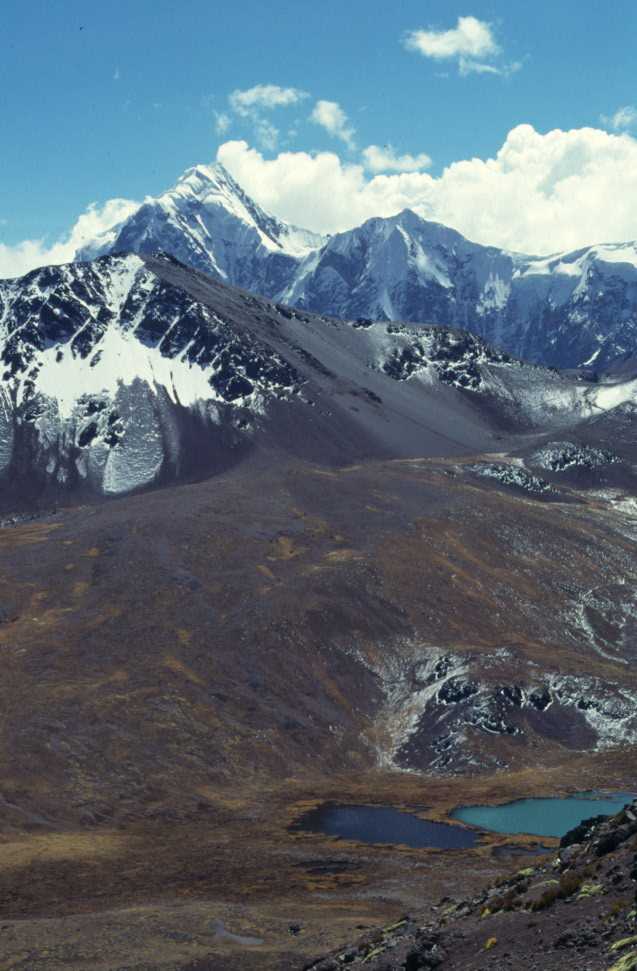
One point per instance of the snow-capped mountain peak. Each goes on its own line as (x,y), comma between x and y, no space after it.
(569,310)
(566,310)
(211,186)
(208,222)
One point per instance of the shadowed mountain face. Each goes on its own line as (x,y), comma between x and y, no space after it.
(565,310)
(133,371)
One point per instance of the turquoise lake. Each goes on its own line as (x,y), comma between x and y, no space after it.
(542,817)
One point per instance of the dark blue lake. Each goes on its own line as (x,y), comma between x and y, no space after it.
(542,817)
(379,824)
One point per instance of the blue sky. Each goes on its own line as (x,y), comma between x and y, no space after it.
(115,100)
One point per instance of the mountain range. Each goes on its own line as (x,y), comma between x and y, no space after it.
(259,558)
(134,370)
(566,310)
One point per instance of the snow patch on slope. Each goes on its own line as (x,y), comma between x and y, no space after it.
(101,357)
(119,359)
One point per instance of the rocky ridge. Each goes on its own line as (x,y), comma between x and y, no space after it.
(130,371)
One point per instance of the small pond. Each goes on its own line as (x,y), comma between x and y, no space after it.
(379,824)
(542,817)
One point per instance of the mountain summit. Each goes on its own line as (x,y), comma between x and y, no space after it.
(566,310)
(209,223)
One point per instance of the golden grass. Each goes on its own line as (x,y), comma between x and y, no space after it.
(55,847)
(219,797)
(266,571)
(73,688)
(178,667)
(26,535)
(343,556)
(285,549)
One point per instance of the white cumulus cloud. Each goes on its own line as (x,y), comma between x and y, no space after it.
(471,43)
(539,194)
(330,116)
(470,38)
(264,97)
(251,104)
(97,221)
(386,159)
